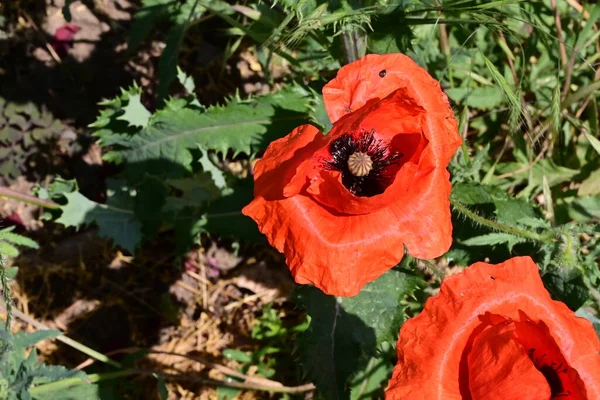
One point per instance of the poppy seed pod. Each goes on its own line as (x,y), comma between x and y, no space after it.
(342,207)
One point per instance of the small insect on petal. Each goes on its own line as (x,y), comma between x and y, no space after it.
(360,164)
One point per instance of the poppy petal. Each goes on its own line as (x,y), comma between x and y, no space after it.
(274,172)
(328,255)
(430,346)
(499,367)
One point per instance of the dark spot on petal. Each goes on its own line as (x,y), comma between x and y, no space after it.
(492,278)
(382,73)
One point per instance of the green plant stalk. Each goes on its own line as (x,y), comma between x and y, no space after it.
(94,378)
(88,351)
(66,340)
(6,294)
(69,382)
(496,225)
(25,198)
(434,269)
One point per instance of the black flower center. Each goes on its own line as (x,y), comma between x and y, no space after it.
(364,163)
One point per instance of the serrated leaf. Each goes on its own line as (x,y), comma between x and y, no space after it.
(217,175)
(115,219)
(186,81)
(244,126)
(568,286)
(17,239)
(196,191)
(534,222)
(511,211)
(49,373)
(135,113)
(471,193)
(344,333)
(224,216)
(24,340)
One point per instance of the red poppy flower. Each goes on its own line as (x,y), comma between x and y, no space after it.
(343,206)
(493,332)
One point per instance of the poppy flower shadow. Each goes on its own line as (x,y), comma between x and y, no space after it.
(338,346)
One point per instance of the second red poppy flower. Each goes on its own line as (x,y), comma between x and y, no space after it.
(341,207)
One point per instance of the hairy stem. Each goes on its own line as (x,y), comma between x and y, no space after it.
(434,269)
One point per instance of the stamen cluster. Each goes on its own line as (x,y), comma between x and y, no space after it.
(345,151)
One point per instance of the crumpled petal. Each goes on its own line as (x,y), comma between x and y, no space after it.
(500,369)
(431,345)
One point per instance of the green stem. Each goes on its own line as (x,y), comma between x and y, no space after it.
(93,378)
(69,382)
(67,340)
(26,198)
(434,269)
(496,225)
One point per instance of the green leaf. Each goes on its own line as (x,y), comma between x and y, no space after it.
(244,126)
(25,340)
(567,285)
(144,20)
(18,240)
(345,333)
(471,193)
(167,65)
(135,113)
(224,216)
(370,382)
(162,388)
(320,115)
(115,219)
(79,392)
(492,239)
(186,81)
(582,209)
(217,174)
(591,185)
(512,211)
(11,273)
(482,98)
(8,250)
(593,141)
(195,191)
